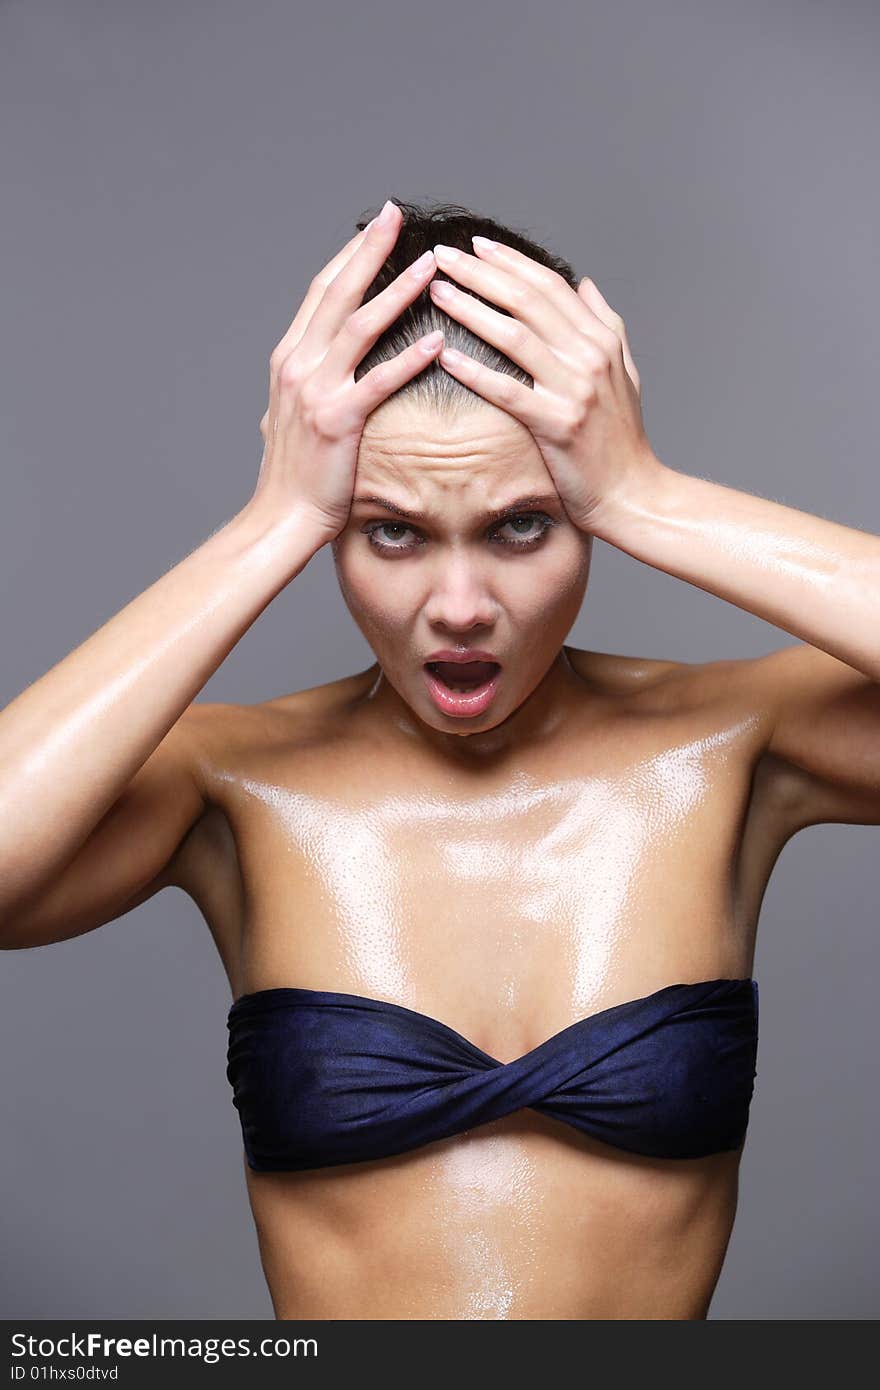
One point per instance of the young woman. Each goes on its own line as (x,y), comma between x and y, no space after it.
(487,908)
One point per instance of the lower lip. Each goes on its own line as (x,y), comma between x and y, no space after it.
(462,704)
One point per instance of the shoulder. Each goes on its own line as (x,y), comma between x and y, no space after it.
(231,748)
(734,697)
(223,738)
(661,685)
(817,723)
(750,706)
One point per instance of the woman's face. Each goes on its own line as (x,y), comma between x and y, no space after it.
(447,576)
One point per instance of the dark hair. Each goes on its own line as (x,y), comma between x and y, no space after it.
(422,227)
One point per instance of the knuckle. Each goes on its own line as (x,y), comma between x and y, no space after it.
(550,279)
(576,411)
(609,346)
(586,358)
(327,418)
(358,324)
(506,388)
(334,290)
(310,398)
(381,376)
(522,295)
(517,334)
(572,417)
(602,358)
(292,373)
(592,359)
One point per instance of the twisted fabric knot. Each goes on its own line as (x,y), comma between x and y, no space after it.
(322,1078)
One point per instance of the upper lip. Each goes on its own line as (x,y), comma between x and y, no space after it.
(471,655)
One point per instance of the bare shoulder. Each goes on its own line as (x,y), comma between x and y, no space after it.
(739,687)
(230,746)
(619,674)
(737,695)
(756,692)
(224,737)
(659,683)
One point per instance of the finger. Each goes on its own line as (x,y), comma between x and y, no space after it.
(346,291)
(363,327)
(383,379)
(315,292)
(514,338)
(560,293)
(524,296)
(590,294)
(498,388)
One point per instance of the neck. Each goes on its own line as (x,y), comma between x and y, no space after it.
(535,719)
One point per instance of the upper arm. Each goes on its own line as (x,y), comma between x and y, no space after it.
(822,719)
(129,855)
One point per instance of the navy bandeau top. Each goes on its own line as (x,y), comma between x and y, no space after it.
(321,1078)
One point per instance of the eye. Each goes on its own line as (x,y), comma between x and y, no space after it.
(527,540)
(370,532)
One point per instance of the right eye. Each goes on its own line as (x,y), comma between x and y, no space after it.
(370,532)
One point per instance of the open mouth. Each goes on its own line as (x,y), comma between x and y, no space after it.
(463,675)
(462,689)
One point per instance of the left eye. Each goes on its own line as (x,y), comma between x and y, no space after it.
(531,518)
(521,539)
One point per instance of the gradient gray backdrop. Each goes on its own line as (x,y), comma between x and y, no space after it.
(173,175)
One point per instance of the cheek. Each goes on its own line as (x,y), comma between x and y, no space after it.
(536,594)
(376,602)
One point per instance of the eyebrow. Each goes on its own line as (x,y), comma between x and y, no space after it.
(519,504)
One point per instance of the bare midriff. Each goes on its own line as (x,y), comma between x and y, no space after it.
(512,1220)
(627,852)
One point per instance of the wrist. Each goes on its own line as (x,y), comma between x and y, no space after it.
(637,498)
(292,537)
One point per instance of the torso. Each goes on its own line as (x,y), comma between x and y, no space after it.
(629,852)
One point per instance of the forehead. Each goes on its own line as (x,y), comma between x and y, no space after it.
(422,450)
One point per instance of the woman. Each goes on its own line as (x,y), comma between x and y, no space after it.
(487,908)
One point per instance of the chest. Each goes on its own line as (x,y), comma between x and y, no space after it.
(537,897)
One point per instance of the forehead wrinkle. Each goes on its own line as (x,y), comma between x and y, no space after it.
(397,435)
(409,455)
(491,497)
(396,453)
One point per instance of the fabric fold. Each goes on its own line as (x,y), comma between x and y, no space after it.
(321,1077)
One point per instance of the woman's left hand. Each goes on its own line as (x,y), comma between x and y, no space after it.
(584,410)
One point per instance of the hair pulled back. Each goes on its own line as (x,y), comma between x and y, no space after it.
(423,226)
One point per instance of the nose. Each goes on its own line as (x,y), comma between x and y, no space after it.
(460,599)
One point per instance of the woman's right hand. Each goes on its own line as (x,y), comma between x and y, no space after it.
(316,414)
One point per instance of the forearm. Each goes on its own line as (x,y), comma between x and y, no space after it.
(71,741)
(816,579)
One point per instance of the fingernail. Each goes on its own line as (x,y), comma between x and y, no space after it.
(418,267)
(483,243)
(387,213)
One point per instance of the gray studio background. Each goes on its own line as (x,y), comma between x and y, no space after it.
(173,175)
